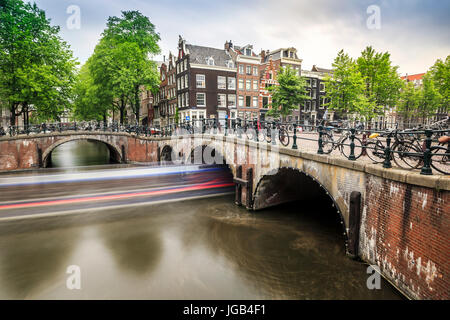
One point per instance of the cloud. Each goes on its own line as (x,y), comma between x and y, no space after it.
(415,32)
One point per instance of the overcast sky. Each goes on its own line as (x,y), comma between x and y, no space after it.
(415,32)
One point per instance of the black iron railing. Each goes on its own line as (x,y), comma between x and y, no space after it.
(423,149)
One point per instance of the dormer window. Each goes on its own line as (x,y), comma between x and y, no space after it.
(230,64)
(210,61)
(248,52)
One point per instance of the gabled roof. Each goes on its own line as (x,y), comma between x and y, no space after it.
(200,55)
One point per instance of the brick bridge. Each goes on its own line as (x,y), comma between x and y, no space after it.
(396,219)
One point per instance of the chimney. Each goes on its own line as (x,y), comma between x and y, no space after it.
(263,55)
(164,58)
(228,45)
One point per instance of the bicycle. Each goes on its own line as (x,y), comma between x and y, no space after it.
(342,144)
(442,154)
(404,152)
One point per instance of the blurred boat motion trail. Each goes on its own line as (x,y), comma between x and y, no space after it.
(51,192)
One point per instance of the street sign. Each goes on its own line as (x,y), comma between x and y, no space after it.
(226,116)
(187,118)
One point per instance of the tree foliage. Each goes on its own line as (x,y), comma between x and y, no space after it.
(365,86)
(37,69)
(121,64)
(345,87)
(289,94)
(440,74)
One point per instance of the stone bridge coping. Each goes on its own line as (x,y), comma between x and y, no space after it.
(438,182)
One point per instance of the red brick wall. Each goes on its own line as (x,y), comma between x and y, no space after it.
(405,230)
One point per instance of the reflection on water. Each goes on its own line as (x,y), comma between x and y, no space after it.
(80,153)
(198,249)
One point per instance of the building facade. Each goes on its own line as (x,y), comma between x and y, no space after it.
(314,108)
(248,81)
(275,60)
(206,82)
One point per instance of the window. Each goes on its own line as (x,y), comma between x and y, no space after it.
(248,85)
(265,102)
(308,82)
(201,81)
(241,69)
(184,65)
(230,64)
(231,101)
(221,82)
(247,101)
(322,86)
(255,102)
(249,69)
(241,101)
(201,99)
(241,84)
(221,100)
(314,82)
(313,96)
(248,52)
(186,81)
(313,107)
(210,61)
(231,83)
(255,85)
(255,71)
(187,99)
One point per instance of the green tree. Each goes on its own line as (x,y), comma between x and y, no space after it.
(37,69)
(91,101)
(429,98)
(408,102)
(440,73)
(289,94)
(122,63)
(382,83)
(345,87)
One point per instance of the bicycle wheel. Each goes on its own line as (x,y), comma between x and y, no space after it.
(406,155)
(375,151)
(261,135)
(327,143)
(345,147)
(284,137)
(440,159)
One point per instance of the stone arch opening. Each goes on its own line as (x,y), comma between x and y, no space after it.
(114,152)
(287,185)
(206,154)
(166,154)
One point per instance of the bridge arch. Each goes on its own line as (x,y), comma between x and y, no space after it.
(114,151)
(166,154)
(288,184)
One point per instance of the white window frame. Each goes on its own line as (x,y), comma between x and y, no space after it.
(241,101)
(219,100)
(255,85)
(255,102)
(204,99)
(255,71)
(232,105)
(241,84)
(221,82)
(248,85)
(197,80)
(231,82)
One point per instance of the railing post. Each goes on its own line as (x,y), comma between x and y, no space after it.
(255,127)
(273,133)
(320,151)
(239,127)
(352,145)
(215,126)
(426,169)
(294,144)
(226,127)
(387,153)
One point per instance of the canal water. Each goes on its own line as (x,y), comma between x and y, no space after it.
(206,248)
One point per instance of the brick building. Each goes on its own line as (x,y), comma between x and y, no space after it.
(247,76)
(275,60)
(314,108)
(206,82)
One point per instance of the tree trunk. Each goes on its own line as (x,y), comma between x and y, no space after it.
(12,110)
